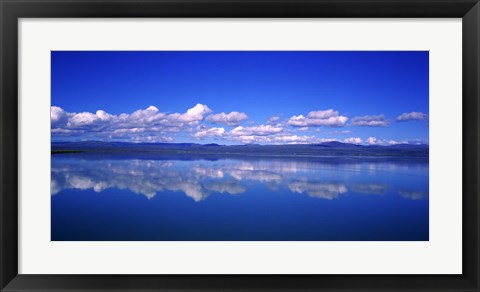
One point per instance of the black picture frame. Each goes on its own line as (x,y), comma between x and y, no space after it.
(12,10)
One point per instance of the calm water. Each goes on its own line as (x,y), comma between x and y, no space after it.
(152,198)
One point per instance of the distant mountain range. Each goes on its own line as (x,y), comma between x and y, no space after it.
(323,149)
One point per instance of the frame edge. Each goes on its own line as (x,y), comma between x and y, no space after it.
(10,12)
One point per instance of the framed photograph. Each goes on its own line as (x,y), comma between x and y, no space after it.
(239,145)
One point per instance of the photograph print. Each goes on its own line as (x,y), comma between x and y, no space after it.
(239,145)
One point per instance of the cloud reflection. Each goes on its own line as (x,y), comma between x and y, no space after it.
(371,189)
(199,179)
(320,190)
(413,195)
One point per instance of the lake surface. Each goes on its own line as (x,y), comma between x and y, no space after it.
(142,197)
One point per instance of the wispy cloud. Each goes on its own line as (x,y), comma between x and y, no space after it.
(326,118)
(273,119)
(370,121)
(369,188)
(413,195)
(412,116)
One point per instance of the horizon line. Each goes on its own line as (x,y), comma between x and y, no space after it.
(173,143)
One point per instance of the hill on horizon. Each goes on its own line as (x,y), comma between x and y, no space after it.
(323,149)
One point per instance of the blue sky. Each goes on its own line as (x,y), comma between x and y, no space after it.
(240,97)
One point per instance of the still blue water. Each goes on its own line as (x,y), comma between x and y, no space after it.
(95,197)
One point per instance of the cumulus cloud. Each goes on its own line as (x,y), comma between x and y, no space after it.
(82,119)
(378,141)
(271,134)
(371,140)
(412,116)
(211,132)
(198,112)
(191,117)
(262,130)
(326,118)
(353,140)
(370,121)
(282,139)
(231,119)
(394,142)
(148,124)
(58,116)
(153,125)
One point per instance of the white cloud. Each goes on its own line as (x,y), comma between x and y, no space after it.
(412,116)
(322,115)
(211,132)
(370,121)
(266,134)
(273,119)
(151,139)
(291,139)
(353,140)
(395,142)
(82,119)
(231,119)
(148,124)
(103,115)
(195,114)
(57,115)
(298,121)
(378,141)
(281,139)
(152,125)
(262,130)
(326,118)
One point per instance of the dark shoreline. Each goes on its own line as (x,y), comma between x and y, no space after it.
(65,151)
(121,155)
(325,150)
